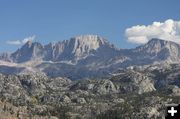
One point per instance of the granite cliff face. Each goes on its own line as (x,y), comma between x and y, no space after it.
(67,50)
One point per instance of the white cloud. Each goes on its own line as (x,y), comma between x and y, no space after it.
(141,34)
(21,42)
(15,42)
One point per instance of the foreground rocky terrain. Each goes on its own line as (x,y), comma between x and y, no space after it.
(135,92)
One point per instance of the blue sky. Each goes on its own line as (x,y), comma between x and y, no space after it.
(57,20)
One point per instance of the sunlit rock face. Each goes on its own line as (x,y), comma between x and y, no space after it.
(77,47)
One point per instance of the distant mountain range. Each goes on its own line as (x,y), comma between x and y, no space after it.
(85,56)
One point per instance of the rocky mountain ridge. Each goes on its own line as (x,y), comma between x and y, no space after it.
(75,48)
(90,54)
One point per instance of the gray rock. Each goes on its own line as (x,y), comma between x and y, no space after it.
(176,91)
(65,99)
(105,87)
(81,100)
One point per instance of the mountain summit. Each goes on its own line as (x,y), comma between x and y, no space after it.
(78,47)
(160,50)
(73,49)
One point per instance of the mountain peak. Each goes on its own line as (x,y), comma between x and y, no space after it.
(90,38)
(157,44)
(84,44)
(28,44)
(89,41)
(160,49)
(160,41)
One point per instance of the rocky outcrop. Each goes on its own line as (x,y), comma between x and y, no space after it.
(176,91)
(105,87)
(131,81)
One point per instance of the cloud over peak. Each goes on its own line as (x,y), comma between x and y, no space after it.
(21,42)
(141,34)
